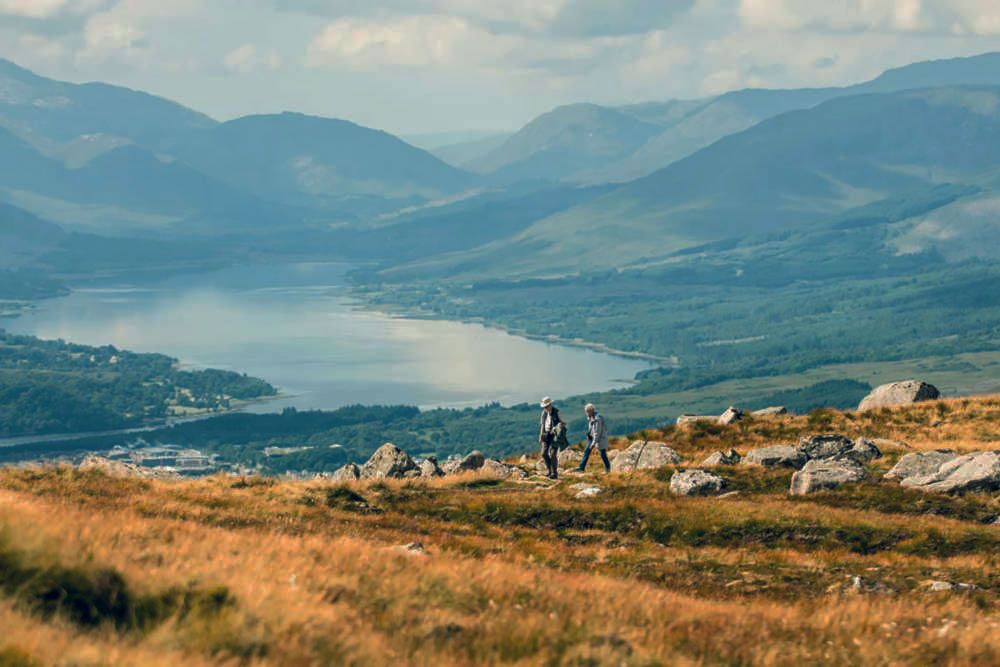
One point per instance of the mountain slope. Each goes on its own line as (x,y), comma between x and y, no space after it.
(298,157)
(799,168)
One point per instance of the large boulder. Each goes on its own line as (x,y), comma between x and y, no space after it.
(864,450)
(348,473)
(688,420)
(502,470)
(899,393)
(731,416)
(819,475)
(783,456)
(920,464)
(429,467)
(973,472)
(831,446)
(726,458)
(389,461)
(472,461)
(773,411)
(696,483)
(643,455)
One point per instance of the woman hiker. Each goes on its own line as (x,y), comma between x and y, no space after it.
(597,435)
(550,424)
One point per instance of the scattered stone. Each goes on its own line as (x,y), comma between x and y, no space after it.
(348,473)
(827,446)
(944,586)
(644,455)
(770,412)
(687,420)
(820,475)
(120,469)
(472,461)
(973,472)
(429,467)
(588,491)
(864,450)
(899,393)
(502,470)
(696,483)
(731,416)
(776,456)
(411,549)
(388,461)
(920,464)
(727,458)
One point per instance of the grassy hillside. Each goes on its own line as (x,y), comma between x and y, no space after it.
(257,571)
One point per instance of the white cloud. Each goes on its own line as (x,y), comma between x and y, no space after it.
(43,9)
(246,59)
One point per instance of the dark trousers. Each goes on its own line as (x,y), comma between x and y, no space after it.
(586,457)
(550,454)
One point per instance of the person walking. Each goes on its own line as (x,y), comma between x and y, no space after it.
(597,435)
(549,425)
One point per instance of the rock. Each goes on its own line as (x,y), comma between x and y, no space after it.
(820,475)
(731,416)
(899,393)
(727,458)
(588,491)
(919,464)
(411,549)
(687,420)
(348,473)
(120,469)
(973,472)
(429,467)
(502,470)
(643,455)
(388,461)
(864,450)
(827,446)
(775,456)
(885,445)
(472,461)
(568,458)
(696,483)
(940,586)
(770,412)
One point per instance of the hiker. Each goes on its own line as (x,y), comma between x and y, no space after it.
(597,436)
(551,430)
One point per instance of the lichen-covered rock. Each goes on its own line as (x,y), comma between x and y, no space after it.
(429,467)
(727,458)
(348,473)
(472,461)
(919,464)
(643,455)
(773,411)
(687,420)
(823,474)
(906,392)
(864,450)
(826,446)
(502,470)
(784,456)
(696,483)
(731,416)
(973,472)
(388,461)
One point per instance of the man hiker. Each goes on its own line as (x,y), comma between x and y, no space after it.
(597,435)
(551,426)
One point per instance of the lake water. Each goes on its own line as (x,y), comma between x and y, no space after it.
(294,326)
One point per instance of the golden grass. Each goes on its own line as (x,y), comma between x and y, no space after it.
(523,573)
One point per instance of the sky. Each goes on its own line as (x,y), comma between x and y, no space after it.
(427,66)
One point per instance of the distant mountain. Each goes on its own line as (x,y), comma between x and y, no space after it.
(50,113)
(24,237)
(465,154)
(301,158)
(565,141)
(797,169)
(686,126)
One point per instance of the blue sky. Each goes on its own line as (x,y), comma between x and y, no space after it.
(412,66)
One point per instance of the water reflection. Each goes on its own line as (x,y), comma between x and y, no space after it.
(294,326)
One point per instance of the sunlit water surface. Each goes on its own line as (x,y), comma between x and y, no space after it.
(294,326)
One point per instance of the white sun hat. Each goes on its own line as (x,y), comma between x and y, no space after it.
(546,402)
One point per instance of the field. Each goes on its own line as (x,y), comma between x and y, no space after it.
(472,570)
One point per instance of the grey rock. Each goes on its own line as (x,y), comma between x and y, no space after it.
(776,456)
(864,450)
(472,461)
(119,469)
(348,473)
(820,475)
(388,461)
(643,455)
(410,549)
(827,446)
(731,416)
(919,464)
(587,491)
(727,458)
(770,412)
(973,472)
(687,420)
(429,467)
(906,392)
(502,470)
(696,483)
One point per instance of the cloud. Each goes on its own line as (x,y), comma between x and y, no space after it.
(902,16)
(596,18)
(45,9)
(246,59)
